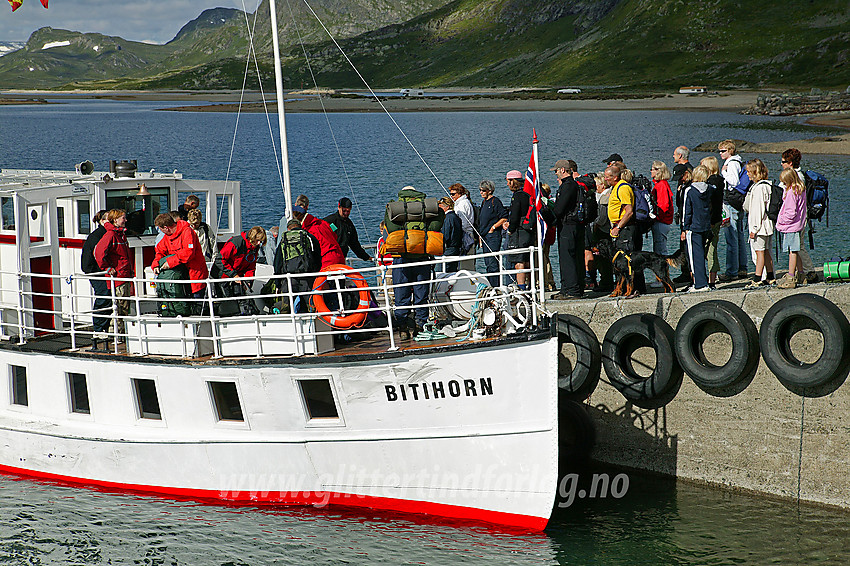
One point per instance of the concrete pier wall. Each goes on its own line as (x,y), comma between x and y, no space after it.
(765,439)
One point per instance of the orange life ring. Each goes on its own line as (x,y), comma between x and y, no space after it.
(351,320)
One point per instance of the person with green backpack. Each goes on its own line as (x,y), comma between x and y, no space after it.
(297,252)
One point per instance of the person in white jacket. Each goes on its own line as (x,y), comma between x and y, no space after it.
(734,231)
(466,213)
(759,225)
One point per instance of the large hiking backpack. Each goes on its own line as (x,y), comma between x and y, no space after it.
(296,250)
(644,202)
(419,221)
(167,288)
(587,184)
(817,196)
(775,202)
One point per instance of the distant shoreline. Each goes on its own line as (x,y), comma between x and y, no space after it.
(473,100)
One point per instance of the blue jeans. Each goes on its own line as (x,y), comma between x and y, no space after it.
(403,295)
(102,304)
(737,241)
(659,237)
(492,244)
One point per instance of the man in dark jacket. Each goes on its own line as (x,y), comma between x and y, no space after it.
(570,232)
(452,233)
(102,301)
(344,230)
(680,157)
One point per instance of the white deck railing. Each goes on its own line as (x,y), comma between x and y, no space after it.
(206,332)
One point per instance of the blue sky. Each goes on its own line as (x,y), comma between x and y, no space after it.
(138,20)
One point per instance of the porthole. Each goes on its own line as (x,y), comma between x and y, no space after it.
(79,393)
(318,399)
(226,399)
(147,402)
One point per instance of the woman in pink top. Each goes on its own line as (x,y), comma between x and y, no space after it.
(664,211)
(791,219)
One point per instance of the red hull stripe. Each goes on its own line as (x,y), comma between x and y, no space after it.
(302,498)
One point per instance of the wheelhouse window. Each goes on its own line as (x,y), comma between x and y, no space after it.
(19,385)
(83,217)
(7,213)
(79,392)
(141,210)
(60,219)
(147,402)
(318,398)
(222,203)
(226,399)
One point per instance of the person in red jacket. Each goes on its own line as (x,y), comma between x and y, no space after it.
(181,243)
(663,195)
(237,259)
(331,252)
(112,254)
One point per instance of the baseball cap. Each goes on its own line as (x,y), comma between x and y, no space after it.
(561,164)
(345,202)
(613,157)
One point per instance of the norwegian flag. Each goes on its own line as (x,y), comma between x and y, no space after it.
(532,187)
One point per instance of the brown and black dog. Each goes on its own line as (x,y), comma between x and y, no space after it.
(626,263)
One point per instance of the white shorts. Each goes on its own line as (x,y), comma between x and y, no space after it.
(761,243)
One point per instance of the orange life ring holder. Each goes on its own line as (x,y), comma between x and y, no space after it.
(351,320)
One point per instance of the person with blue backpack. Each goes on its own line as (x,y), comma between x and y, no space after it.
(734,225)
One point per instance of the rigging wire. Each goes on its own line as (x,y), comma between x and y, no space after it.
(384,108)
(372,92)
(327,119)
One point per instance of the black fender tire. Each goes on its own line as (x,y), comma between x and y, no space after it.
(622,339)
(576,432)
(701,321)
(806,311)
(578,381)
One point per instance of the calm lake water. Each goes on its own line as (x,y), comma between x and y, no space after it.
(655,522)
(377,161)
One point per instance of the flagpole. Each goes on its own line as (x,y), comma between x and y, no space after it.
(541,270)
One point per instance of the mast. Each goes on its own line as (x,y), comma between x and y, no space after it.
(281,119)
(541,226)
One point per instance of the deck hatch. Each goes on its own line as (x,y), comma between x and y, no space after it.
(78,388)
(147,402)
(19,385)
(226,399)
(318,398)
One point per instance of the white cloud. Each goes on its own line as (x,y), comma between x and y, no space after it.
(154,21)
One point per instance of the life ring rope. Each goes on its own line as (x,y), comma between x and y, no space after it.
(351,320)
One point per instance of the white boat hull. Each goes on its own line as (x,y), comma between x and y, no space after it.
(467,433)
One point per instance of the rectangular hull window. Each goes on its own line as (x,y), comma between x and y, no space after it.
(79,393)
(318,398)
(146,399)
(19,385)
(226,399)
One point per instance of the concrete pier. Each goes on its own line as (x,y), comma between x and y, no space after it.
(764,439)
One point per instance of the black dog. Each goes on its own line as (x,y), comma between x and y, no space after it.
(626,263)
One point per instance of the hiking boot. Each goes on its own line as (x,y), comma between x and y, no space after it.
(726,278)
(742,274)
(756,285)
(787,282)
(812,277)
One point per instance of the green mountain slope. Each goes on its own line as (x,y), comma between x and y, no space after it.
(218,34)
(636,43)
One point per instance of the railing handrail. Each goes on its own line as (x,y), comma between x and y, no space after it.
(76,317)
